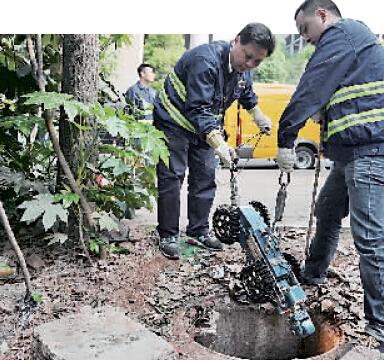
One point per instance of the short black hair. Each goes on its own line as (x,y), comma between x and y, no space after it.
(308,7)
(143,66)
(260,35)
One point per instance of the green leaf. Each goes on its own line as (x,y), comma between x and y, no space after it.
(43,204)
(107,222)
(113,249)
(80,127)
(53,100)
(22,123)
(94,246)
(59,238)
(50,216)
(119,167)
(31,213)
(37,297)
(68,198)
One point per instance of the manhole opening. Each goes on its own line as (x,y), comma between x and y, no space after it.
(247,332)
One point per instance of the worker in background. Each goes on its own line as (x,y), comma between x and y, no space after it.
(141,96)
(189,109)
(344,81)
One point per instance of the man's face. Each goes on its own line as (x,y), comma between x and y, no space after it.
(246,57)
(148,74)
(310,27)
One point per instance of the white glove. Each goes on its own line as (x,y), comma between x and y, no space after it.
(286,159)
(262,121)
(222,149)
(226,154)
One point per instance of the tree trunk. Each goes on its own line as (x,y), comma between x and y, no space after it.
(80,79)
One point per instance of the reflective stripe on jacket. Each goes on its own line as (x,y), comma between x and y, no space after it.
(362,118)
(345,75)
(200,88)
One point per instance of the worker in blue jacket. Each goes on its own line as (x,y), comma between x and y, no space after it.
(141,96)
(343,85)
(189,109)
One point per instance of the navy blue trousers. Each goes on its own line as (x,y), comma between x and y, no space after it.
(185,150)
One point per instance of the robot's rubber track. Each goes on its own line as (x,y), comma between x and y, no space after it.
(226,224)
(258,282)
(262,210)
(226,221)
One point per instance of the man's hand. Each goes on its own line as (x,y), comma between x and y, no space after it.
(262,121)
(286,159)
(226,154)
(222,149)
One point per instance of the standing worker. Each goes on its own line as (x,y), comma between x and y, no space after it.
(344,80)
(189,109)
(141,96)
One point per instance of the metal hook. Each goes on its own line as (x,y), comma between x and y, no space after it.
(233,166)
(281,182)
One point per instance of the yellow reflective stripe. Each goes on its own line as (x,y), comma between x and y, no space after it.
(346,89)
(355,91)
(174,113)
(354,96)
(178,85)
(347,121)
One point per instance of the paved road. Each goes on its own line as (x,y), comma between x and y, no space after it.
(260,184)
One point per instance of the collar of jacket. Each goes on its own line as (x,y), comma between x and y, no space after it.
(141,86)
(330,26)
(224,50)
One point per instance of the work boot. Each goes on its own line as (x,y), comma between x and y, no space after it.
(310,280)
(207,241)
(169,247)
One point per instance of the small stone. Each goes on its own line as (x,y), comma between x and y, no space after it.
(217,272)
(6,308)
(35,262)
(327,305)
(3,348)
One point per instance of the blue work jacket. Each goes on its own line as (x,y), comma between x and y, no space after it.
(141,97)
(197,92)
(344,78)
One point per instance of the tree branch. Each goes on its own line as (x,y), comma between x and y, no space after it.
(40,73)
(48,116)
(16,247)
(32,57)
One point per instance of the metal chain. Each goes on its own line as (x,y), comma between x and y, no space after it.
(314,192)
(258,138)
(281,198)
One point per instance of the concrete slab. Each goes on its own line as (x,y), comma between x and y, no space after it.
(103,334)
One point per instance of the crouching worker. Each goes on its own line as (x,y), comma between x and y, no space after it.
(189,109)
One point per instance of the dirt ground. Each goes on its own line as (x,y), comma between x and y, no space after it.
(170,297)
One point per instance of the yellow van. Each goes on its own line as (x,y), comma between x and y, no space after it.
(241,130)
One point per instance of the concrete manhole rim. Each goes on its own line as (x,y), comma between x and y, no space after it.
(204,332)
(332,354)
